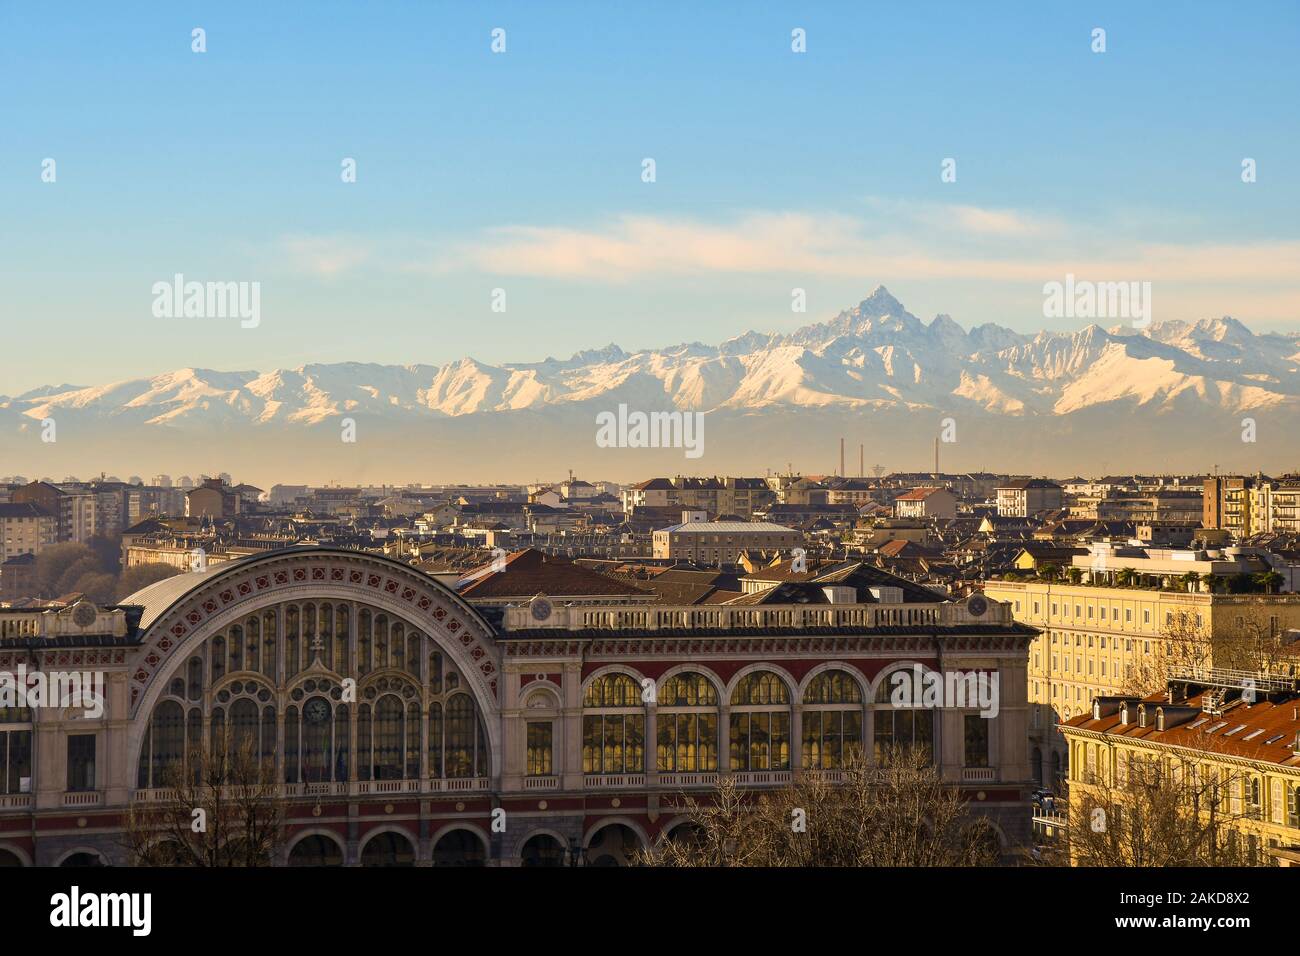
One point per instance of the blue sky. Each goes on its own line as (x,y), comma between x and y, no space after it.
(522,171)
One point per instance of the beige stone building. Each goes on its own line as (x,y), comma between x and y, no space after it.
(1106,641)
(1243,748)
(722,542)
(25,529)
(1020,499)
(926,503)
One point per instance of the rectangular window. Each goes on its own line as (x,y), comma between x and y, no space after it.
(81,762)
(16,761)
(977,741)
(539,749)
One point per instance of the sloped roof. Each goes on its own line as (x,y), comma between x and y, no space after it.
(531,572)
(1276,722)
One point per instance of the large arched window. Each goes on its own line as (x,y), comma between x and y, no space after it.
(686,725)
(832,719)
(389,721)
(365,624)
(292,631)
(760,723)
(462,740)
(613,726)
(163,746)
(904,727)
(269,644)
(405,725)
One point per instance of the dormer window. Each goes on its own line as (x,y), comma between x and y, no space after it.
(1096,710)
(1160,718)
(1142,716)
(1123,714)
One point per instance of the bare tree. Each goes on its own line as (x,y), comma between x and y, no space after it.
(1185,647)
(896,814)
(1159,811)
(221,808)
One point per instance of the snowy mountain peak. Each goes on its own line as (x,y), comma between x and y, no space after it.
(873,359)
(880,303)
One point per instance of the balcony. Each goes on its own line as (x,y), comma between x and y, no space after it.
(541,783)
(15,801)
(344,790)
(761,778)
(613,781)
(682,780)
(83,798)
(978,774)
(722,619)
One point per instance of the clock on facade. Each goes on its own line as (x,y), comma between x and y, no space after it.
(316,711)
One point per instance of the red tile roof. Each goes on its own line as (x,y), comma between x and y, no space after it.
(531,572)
(1267,730)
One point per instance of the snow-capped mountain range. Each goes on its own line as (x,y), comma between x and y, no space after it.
(870,366)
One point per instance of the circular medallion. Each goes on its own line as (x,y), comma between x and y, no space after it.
(316,711)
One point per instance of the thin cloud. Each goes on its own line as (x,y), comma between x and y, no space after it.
(639,247)
(324,256)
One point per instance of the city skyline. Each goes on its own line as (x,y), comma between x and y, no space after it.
(738,437)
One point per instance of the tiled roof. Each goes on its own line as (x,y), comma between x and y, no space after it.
(1277,724)
(10,509)
(531,572)
(729,527)
(919,494)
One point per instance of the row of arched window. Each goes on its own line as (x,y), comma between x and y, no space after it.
(758,723)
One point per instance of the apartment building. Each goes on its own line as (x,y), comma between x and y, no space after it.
(25,528)
(212,499)
(1237,749)
(718,495)
(721,542)
(1275,506)
(76,510)
(1020,499)
(1245,505)
(1108,641)
(926,503)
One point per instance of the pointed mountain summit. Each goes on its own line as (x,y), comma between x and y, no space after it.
(877,365)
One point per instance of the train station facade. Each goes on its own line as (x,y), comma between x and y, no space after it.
(408,726)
